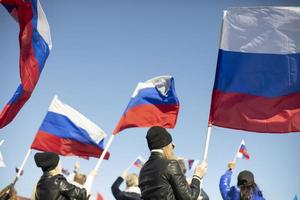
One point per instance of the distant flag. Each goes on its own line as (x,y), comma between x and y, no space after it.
(35,45)
(65,171)
(17,171)
(153,103)
(257,83)
(139,162)
(296,197)
(192,163)
(67,132)
(99,197)
(242,152)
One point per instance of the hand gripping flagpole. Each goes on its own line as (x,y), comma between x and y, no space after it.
(22,166)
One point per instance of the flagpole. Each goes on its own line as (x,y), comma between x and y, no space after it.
(104,152)
(206,148)
(127,169)
(234,159)
(22,166)
(207,142)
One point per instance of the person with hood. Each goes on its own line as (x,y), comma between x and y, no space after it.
(52,184)
(132,191)
(246,188)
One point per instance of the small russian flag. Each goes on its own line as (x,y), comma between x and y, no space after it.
(243,153)
(139,162)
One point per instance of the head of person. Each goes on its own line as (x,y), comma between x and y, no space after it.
(48,162)
(246,184)
(80,178)
(132,180)
(159,138)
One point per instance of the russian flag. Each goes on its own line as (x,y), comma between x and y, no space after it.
(35,45)
(257,84)
(153,103)
(139,162)
(67,132)
(242,152)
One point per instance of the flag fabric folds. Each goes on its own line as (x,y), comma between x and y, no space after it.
(139,162)
(67,132)
(242,152)
(192,163)
(257,83)
(153,103)
(35,45)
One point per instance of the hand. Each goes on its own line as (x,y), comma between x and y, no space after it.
(124,174)
(76,166)
(201,169)
(231,165)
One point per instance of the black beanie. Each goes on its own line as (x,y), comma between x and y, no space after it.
(158,137)
(245,178)
(47,160)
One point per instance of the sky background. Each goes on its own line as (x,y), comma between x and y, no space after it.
(101,50)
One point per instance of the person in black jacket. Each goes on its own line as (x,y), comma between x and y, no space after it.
(132,191)
(161,177)
(52,185)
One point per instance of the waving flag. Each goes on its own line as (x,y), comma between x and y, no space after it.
(242,152)
(257,84)
(35,44)
(139,162)
(67,132)
(153,103)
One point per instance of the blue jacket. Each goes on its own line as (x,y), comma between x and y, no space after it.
(233,193)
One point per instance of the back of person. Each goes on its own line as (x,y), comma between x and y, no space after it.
(246,188)
(48,188)
(154,178)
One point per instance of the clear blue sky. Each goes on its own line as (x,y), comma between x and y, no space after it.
(101,50)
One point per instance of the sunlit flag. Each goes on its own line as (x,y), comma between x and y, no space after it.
(67,132)
(35,45)
(257,83)
(153,103)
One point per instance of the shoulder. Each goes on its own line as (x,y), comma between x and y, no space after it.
(173,167)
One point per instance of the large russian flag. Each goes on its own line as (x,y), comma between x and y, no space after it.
(153,103)
(67,132)
(257,84)
(35,45)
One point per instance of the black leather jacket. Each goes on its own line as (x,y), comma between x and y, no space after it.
(162,179)
(57,188)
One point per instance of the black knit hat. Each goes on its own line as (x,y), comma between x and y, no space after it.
(245,178)
(46,160)
(158,137)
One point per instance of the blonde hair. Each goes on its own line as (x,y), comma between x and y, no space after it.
(132,180)
(80,178)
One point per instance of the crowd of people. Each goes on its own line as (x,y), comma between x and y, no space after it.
(161,178)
